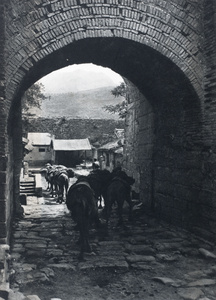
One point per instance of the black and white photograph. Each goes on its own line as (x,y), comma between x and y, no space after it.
(107,150)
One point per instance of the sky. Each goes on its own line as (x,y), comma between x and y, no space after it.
(81,77)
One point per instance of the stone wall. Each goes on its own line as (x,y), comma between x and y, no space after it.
(98,131)
(37,29)
(208,196)
(139,140)
(166,49)
(169,157)
(4,169)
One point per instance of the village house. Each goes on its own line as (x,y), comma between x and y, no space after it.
(72,152)
(41,149)
(111,154)
(44,148)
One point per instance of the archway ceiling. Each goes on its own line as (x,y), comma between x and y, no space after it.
(154,75)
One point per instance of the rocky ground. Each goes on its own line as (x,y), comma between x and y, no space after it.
(143,260)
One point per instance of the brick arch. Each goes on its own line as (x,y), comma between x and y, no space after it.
(156,44)
(173,122)
(37,29)
(163,83)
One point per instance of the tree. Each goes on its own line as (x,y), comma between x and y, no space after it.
(32,98)
(120,108)
(120,90)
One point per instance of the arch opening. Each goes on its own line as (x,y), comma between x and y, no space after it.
(74,108)
(164,124)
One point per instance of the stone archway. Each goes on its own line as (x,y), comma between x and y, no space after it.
(157,46)
(169,116)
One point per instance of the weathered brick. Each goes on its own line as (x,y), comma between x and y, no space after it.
(3,230)
(173,31)
(2,211)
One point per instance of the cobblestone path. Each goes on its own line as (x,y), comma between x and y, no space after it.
(144,260)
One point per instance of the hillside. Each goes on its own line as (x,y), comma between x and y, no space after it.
(80,105)
(77,78)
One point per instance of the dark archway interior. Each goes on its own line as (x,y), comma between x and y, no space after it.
(176,136)
(163,84)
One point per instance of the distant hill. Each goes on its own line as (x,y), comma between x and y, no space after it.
(80,105)
(76,81)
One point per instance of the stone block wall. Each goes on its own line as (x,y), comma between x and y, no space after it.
(208,195)
(171,158)
(139,141)
(36,29)
(98,131)
(166,49)
(4,175)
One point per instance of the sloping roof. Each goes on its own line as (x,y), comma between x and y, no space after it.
(29,147)
(39,138)
(71,145)
(112,145)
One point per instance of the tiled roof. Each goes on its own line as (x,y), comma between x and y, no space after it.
(71,145)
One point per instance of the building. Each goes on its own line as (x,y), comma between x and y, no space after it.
(111,154)
(41,145)
(72,152)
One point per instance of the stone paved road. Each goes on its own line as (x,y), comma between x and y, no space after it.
(144,260)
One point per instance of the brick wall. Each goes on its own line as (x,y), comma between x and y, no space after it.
(4,176)
(36,29)
(166,49)
(139,141)
(207,201)
(5,165)
(172,153)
